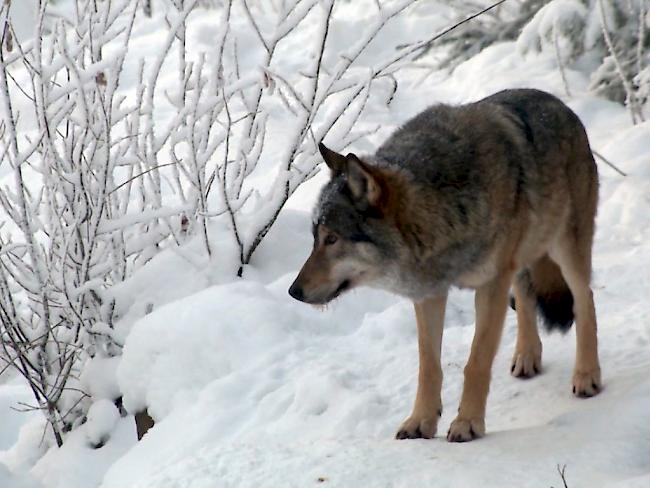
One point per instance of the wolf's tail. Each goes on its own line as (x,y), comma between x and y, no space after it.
(554,299)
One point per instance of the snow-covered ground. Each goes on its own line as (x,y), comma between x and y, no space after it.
(250,388)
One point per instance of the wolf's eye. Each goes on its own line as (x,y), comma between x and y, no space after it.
(330,239)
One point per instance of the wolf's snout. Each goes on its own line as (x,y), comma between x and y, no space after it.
(297,292)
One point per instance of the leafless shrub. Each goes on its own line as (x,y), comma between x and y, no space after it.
(100,182)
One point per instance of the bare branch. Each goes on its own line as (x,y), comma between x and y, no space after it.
(608,163)
(561,470)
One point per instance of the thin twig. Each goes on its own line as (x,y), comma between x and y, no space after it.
(608,163)
(411,48)
(138,176)
(561,470)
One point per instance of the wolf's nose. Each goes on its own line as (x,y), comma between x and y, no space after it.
(296,292)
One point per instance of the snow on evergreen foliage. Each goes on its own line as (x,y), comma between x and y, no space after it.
(559,21)
(572,29)
(617,32)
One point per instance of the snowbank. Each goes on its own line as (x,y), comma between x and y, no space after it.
(7,479)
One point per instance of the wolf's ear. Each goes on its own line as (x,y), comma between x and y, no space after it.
(364,185)
(335,161)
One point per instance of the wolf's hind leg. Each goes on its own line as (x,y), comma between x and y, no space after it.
(491,302)
(527,359)
(575,264)
(423,422)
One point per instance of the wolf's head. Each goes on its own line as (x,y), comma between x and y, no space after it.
(356,240)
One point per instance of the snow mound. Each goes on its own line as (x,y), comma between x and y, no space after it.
(173,353)
(101,419)
(9,480)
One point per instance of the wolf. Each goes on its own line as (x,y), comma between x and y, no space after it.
(493,195)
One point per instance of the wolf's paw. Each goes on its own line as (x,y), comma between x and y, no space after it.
(463,430)
(419,427)
(527,363)
(586,383)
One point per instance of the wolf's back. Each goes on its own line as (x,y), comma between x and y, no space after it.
(445,141)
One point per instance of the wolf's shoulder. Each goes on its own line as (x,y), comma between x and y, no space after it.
(441,140)
(447,138)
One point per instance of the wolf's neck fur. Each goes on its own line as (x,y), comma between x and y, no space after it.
(425,218)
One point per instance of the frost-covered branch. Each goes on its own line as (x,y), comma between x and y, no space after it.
(59,264)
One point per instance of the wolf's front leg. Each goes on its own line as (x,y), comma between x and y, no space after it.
(491,302)
(423,422)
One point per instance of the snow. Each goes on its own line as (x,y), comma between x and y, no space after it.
(98,378)
(12,394)
(23,15)
(101,419)
(10,480)
(249,388)
(79,463)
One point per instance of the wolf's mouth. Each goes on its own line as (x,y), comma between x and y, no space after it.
(341,288)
